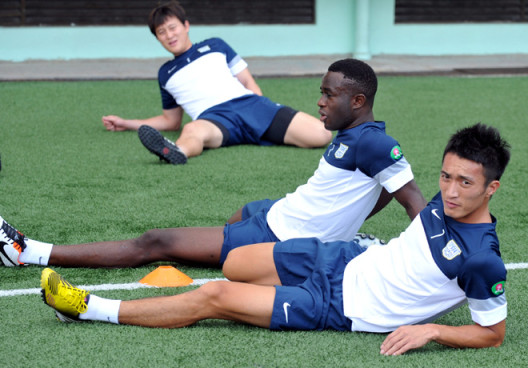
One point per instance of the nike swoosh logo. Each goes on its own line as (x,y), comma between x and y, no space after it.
(439,235)
(434,212)
(3,252)
(285,307)
(171,69)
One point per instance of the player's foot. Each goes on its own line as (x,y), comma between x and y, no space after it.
(366,240)
(161,146)
(11,244)
(67,300)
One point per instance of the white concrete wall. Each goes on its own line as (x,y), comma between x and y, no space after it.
(333,33)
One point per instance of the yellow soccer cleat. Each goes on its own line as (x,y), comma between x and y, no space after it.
(67,300)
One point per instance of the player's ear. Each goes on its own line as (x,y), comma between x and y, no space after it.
(357,101)
(492,188)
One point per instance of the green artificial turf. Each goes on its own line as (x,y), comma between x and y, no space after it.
(65,180)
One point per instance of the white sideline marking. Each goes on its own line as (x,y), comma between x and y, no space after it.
(516,266)
(137,285)
(130,286)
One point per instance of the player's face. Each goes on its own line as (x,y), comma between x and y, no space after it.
(336,102)
(464,190)
(174,36)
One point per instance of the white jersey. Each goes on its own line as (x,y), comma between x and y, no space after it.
(436,265)
(344,189)
(202,77)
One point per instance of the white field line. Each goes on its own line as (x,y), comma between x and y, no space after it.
(137,285)
(130,286)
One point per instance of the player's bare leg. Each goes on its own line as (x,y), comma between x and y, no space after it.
(197,245)
(240,302)
(252,264)
(305,131)
(252,304)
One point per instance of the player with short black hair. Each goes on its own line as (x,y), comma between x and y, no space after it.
(358,73)
(212,84)
(478,144)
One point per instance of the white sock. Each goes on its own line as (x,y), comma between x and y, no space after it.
(36,252)
(101,309)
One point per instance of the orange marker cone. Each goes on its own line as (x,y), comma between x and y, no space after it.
(166,276)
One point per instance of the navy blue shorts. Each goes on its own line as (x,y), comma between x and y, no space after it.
(252,208)
(311,274)
(252,230)
(250,119)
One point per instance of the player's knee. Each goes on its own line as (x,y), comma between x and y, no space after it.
(231,265)
(191,129)
(154,241)
(213,292)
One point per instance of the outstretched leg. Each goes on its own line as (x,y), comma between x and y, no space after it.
(195,245)
(252,304)
(246,303)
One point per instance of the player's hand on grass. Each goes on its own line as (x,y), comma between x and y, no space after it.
(114,123)
(406,338)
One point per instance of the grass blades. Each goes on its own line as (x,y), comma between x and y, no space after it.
(65,180)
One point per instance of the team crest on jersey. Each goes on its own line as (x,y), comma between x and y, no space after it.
(396,152)
(451,250)
(341,150)
(498,288)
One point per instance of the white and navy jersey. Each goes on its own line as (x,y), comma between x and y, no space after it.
(202,77)
(436,265)
(344,189)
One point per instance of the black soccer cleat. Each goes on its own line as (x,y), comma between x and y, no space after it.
(12,243)
(161,146)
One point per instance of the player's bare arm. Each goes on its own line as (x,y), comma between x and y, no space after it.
(248,81)
(383,200)
(406,338)
(411,198)
(169,120)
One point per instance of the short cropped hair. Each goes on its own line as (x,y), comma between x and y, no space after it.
(159,14)
(482,144)
(362,76)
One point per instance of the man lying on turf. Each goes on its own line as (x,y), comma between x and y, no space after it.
(214,86)
(448,256)
(358,174)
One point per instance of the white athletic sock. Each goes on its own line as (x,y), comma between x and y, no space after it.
(101,309)
(36,252)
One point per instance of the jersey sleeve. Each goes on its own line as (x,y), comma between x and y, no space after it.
(167,100)
(482,279)
(385,163)
(235,63)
